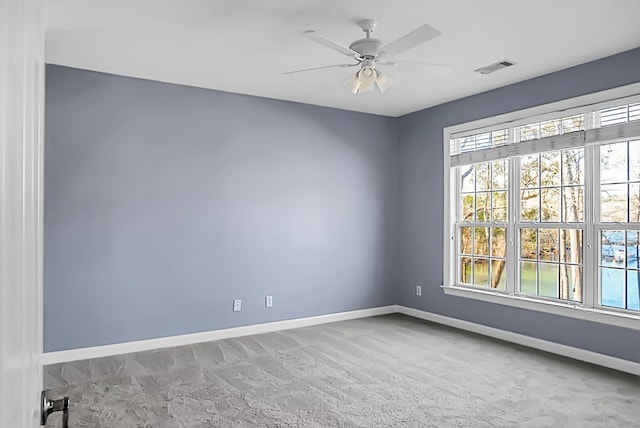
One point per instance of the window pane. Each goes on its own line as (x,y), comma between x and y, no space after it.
(550,204)
(467,144)
(481,241)
(548,245)
(466,240)
(499,175)
(634,202)
(498,242)
(573,204)
(468,207)
(572,167)
(483,141)
(528,278)
(550,169)
(548,280)
(611,243)
(530,132)
(550,250)
(500,137)
(454,146)
(481,272)
(550,128)
(634,160)
(466,273)
(529,166)
(483,206)
(614,115)
(529,205)
(619,272)
(529,244)
(467,178)
(573,123)
(613,202)
(613,163)
(633,279)
(634,112)
(613,289)
(571,246)
(498,275)
(632,248)
(483,176)
(499,206)
(571,282)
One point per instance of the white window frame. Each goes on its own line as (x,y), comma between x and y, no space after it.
(587,310)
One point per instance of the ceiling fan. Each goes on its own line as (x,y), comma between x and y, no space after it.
(369,53)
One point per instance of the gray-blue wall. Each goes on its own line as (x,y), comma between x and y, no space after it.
(421,207)
(163,203)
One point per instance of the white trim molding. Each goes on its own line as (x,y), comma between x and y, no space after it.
(187,339)
(206,336)
(531,342)
(610,317)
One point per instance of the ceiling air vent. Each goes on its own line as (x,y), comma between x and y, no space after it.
(494,67)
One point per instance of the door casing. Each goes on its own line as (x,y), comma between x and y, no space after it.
(21,207)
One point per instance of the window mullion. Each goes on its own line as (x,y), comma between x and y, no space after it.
(590,246)
(453,243)
(513,215)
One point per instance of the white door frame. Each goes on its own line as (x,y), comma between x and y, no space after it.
(21,204)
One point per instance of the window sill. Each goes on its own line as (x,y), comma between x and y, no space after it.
(562,309)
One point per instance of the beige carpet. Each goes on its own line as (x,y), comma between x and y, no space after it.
(389,371)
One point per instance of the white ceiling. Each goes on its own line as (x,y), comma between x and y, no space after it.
(245,46)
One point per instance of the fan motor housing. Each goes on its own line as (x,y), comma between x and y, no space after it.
(367,47)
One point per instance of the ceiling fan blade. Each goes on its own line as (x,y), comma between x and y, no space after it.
(325,41)
(320,68)
(440,70)
(419,35)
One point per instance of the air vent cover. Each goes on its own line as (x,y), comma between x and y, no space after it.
(495,66)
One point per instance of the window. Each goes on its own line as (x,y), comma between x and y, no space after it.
(482,233)
(550,226)
(545,208)
(619,226)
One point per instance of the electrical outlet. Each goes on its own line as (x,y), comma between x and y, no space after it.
(268,301)
(418,290)
(237,305)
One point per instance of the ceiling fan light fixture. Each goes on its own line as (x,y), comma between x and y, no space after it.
(367,72)
(367,77)
(353,83)
(383,81)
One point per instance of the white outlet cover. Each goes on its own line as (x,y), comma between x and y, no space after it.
(268,302)
(418,290)
(237,305)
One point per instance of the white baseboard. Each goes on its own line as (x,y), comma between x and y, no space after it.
(531,342)
(188,339)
